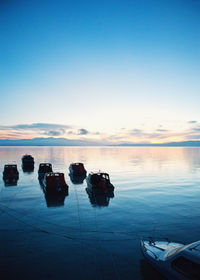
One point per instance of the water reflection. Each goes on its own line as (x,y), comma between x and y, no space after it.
(55,199)
(10,181)
(77,179)
(148,272)
(99,198)
(27,169)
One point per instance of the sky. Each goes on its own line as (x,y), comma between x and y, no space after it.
(115,71)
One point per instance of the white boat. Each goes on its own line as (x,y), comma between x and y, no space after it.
(175,261)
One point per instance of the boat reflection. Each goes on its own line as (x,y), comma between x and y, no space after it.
(28,169)
(76,180)
(99,198)
(10,181)
(148,272)
(55,199)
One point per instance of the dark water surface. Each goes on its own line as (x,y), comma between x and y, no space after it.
(157,193)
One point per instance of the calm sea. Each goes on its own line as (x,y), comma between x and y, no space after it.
(157,193)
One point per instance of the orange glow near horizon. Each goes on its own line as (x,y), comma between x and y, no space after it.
(139,135)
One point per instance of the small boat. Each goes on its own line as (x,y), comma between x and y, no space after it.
(77,172)
(27,159)
(99,181)
(77,169)
(43,169)
(27,163)
(10,171)
(55,183)
(10,174)
(174,260)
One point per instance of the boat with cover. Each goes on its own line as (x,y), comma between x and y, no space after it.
(77,172)
(27,163)
(10,171)
(175,261)
(77,169)
(54,183)
(43,169)
(99,181)
(10,174)
(27,159)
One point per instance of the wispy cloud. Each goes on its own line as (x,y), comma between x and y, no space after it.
(140,134)
(55,132)
(192,122)
(41,126)
(162,130)
(20,131)
(83,131)
(33,130)
(35,126)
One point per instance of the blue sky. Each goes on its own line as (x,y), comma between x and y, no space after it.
(124,70)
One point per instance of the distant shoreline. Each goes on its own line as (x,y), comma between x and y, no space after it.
(64,142)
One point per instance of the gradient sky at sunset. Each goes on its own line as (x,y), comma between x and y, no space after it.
(114,70)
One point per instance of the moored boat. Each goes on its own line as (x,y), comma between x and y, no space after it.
(27,163)
(10,174)
(99,181)
(55,182)
(174,260)
(27,159)
(77,169)
(10,171)
(43,169)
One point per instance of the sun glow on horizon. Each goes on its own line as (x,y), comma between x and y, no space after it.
(159,134)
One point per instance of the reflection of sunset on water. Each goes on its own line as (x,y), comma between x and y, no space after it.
(118,160)
(155,190)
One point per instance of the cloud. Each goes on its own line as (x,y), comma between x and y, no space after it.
(46,129)
(140,133)
(83,131)
(40,126)
(136,132)
(162,130)
(55,132)
(135,135)
(36,126)
(33,130)
(193,137)
(192,121)
(196,129)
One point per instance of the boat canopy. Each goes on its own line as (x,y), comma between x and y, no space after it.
(27,157)
(8,167)
(78,166)
(55,179)
(97,177)
(45,168)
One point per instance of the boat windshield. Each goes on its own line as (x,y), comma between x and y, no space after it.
(175,251)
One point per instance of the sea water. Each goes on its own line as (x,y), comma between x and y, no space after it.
(157,193)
